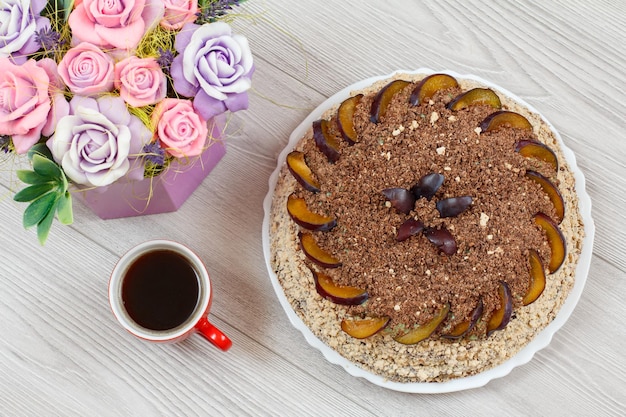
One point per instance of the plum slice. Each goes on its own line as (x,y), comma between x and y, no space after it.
(383,98)
(401,199)
(325,141)
(552,191)
(362,328)
(338,294)
(427,88)
(555,240)
(409,228)
(475,97)
(422,332)
(533,149)
(463,328)
(505,118)
(453,206)
(501,317)
(441,238)
(345,118)
(315,253)
(301,214)
(301,171)
(427,185)
(537,278)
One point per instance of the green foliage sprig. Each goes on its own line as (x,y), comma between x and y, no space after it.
(47,193)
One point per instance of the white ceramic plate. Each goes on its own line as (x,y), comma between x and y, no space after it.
(474,381)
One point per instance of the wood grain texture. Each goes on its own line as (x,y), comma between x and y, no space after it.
(63,354)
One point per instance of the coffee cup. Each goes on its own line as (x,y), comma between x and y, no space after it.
(160,291)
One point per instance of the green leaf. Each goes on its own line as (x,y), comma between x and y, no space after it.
(63,184)
(39,149)
(39,209)
(64,209)
(30,177)
(33,192)
(45,167)
(68,5)
(43,227)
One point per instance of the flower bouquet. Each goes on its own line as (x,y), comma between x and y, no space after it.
(99,93)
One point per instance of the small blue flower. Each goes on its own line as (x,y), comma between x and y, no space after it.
(165,59)
(216,9)
(154,153)
(5,141)
(49,39)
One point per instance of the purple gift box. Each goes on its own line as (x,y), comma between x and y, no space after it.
(160,194)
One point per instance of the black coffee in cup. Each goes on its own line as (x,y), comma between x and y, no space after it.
(160,290)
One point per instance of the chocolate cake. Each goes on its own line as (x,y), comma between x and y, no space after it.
(426,228)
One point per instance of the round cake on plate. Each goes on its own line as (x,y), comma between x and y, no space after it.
(426,227)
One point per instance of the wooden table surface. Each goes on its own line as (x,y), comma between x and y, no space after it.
(63,354)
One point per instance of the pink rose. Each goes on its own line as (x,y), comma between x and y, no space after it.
(141,81)
(56,90)
(86,70)
(27,110)
(115,23)
(181,131)
(179,12)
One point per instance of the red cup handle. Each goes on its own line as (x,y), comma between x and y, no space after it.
(213,334)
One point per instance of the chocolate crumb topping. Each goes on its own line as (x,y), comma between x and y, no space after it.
(410,281)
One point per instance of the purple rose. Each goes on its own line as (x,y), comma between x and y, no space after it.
(19,20)
(214,67)
(99,141)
